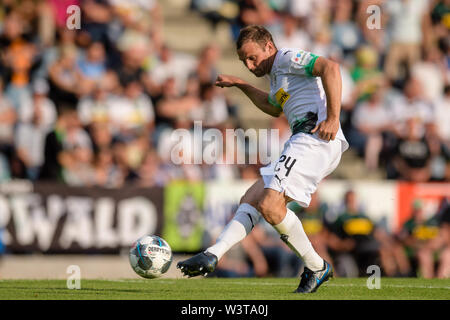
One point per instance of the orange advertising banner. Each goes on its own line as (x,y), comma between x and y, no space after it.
(430,194)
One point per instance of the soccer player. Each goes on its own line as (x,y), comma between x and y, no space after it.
(307,88)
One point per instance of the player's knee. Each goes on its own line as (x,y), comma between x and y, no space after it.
(271,209)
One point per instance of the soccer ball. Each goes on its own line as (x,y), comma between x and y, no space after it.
(150,256)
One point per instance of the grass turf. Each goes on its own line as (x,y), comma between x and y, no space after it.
(224,289)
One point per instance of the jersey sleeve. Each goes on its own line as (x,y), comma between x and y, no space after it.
(301,62)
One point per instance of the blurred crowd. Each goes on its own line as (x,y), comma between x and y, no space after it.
(96,106)
(351,241)
(395,66)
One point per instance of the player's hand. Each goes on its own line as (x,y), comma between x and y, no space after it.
(327,129)
(227,81)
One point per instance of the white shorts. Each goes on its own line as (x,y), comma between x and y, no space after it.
(304,162)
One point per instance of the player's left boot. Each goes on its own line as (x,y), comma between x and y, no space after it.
(200,264)
(312,280)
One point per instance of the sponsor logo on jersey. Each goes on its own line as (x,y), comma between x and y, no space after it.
(302,58)
(282,96)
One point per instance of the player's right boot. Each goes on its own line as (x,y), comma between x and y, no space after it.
(200,264)
(312,280)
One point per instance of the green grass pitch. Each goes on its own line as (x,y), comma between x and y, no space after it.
(224,289)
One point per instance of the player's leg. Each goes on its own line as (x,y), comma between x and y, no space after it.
(305,161)
(273,208)
(238,228)
(246,217)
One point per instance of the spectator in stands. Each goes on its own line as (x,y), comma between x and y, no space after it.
(18,59)
(316,14)
(217,166)
(135,49)
(252,12)
(136,14)
(121,156)
(352,239)
(101,135)
(63,37)
(207,64)
(132,113)
(354,234)
(375,35)
(106,172)
(322,44)
(302,10)
(5,173)
(173,65)
(60,144)
(92,64)
(78,169)
(216,11)
(97,14)
(366,74)
(39,102)
(213,110)
(370,119)
(443,215)
(8,117)
(440,154)
(66,81)
(439,16)
(150,172)
(192,99)
(430,73)
(442,115)
(292,35)
(346,33)
(412,154)
(409,32)
(421,238)
(411,104)
(172,105)
(96,106)
(36,120)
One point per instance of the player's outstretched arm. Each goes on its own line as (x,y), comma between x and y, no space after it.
(330,74)
(258,97)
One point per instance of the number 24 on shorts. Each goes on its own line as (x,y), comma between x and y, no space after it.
(288,163)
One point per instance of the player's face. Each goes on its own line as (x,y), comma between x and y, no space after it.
(255,57)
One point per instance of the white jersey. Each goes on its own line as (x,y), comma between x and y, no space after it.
(295,90)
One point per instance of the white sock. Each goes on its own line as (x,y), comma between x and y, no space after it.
(292,233)
(244,220)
